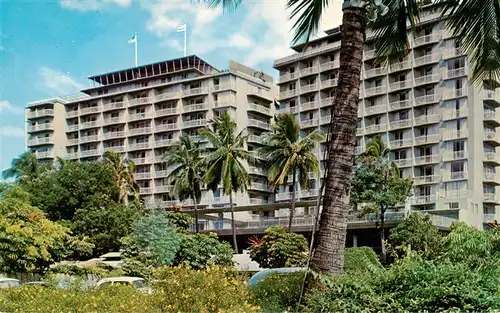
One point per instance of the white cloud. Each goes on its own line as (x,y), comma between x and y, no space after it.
(174,44)
(56,83)
(92,5)
(240,40)
(5,106)
(11,131)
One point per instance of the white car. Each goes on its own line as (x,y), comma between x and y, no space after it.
(136,282)
(9,283)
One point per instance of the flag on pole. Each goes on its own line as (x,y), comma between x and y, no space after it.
(181,28)
(133,40)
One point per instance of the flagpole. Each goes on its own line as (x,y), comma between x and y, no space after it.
(185,39)
(135,49)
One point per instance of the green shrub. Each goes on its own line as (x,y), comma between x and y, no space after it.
(278,293)
(361,260)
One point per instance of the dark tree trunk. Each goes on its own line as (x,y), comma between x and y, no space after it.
(292,205)
(382,234)
(196,214)
(330,240)
(233,227)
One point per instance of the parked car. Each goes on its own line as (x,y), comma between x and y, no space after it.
(136,282)
(9,283)
(37,283)
(272,271)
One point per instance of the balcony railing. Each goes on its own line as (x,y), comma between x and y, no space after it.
(194,91)
(164,142)
(72,141)
(142,175)
(490,197)
(309,70)
(455,134)
(195,123)
(195,107)
(166,127)
(113,106)
(418,200)
(41,141)
(309,123)
(90,153)
(375,90)
(375,128)
(427,99)
(326,101)
(401,143)
(400,85)
(287,109)
(259,186)
(329,83)
(403,162)
(455,155)
(90,110)
(259,124)
(309,87)
(89,138)
(145,190)
(370,54)
(429,179)
(73,113)
(490,176)
(427,119)
(400,66)
(427,79)
(140,116)
(72,127)
(288,94)
(288,76)
(139,101)
(431,138)
(139,146)
(256,170)
(114,134)
(457,175)
(458,72)
(39,127)
(310,105)
(40,113)
(376,109)
(427,39)
(44,154)
(455,93)
(89,124)
(427,59)
(114,120)
(163,188)
(490,115)
(115,148)
(329,65)
(427,159)
(259,108)
(254,139)
(401,123)
(493,95)
(454,114)
(375,72)
(168,111)
(140,131)
(167,96)
(140,161)
(401,104)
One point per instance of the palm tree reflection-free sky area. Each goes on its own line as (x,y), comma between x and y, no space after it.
(49,48)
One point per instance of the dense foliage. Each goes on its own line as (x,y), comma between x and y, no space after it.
(279,249)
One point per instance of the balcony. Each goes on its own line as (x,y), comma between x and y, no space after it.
(288,94)
(329,65)
(115,148)
(194,91)
(141,161)
(40,127)
(455,134)
(163,188)
(400,66)
(258,124)
(428,139)
(312,193)
(260,187)
(287,77)
(40,113)
(145,190)
(424,180)
(428,99)
(114,120)
(287,109)
(329,83)
(114,134)
(400,85)
(458,72)
(71,128)
(256,171)
(401,143)
(373,91)
(455,176)
(259,108)
(72,141)
(142,175)
(427,159)
(491,136)
(90,124)
(90,110)
(422,200)
(282,196)
(140,116)
(166,112)
(224,103)
(223,87)
(311,105)
(113,106)
(309,70)
(490,197)
(427,79)
(492,97)
(455,93)
(376,109)
(257,201)
(490,116)
(90,153)
(166,127)
(139,146)
(254,139)
(401,104)
(401,124)
(195,107)
(164,143)
(489,217)
(309,88)
(455,155)
(491,177)
(140,131)
(455,114)
(370,54)
(72,113)
(403,162)
(44,154)
(194,123)
(139,101)
(427,119)
(452,53)
(427,39)
(324,120)
(427,59)
(90,138)
(41,141)
(167,96)
(72,155)
(375,72)
(454,194)
(491,157)
(375,128)
(309,123)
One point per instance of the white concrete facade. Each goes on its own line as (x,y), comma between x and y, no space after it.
(442,130)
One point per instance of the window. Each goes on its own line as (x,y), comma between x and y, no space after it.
(458,145)
(457,167)
(398,135)
(400,155)
(425,191)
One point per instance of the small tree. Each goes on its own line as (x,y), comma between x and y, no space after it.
(378,187)
(416,233)
(203,250)
(278,248)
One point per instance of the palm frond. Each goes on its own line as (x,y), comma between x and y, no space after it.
(308,15)
(226,5)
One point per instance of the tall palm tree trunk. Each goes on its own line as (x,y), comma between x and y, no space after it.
(292,205)
(330,240)
(233,227)
(195,201)
(382,235)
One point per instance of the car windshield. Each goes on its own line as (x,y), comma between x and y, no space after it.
(138,283)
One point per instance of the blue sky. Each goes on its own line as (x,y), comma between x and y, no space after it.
(49,47)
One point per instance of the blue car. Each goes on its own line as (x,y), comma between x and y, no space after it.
(273,271)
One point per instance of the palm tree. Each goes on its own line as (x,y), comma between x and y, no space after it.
(286,153)
(474,22)
(187,177)
(124,178)
(375,148)
(224,161)
(24,168)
